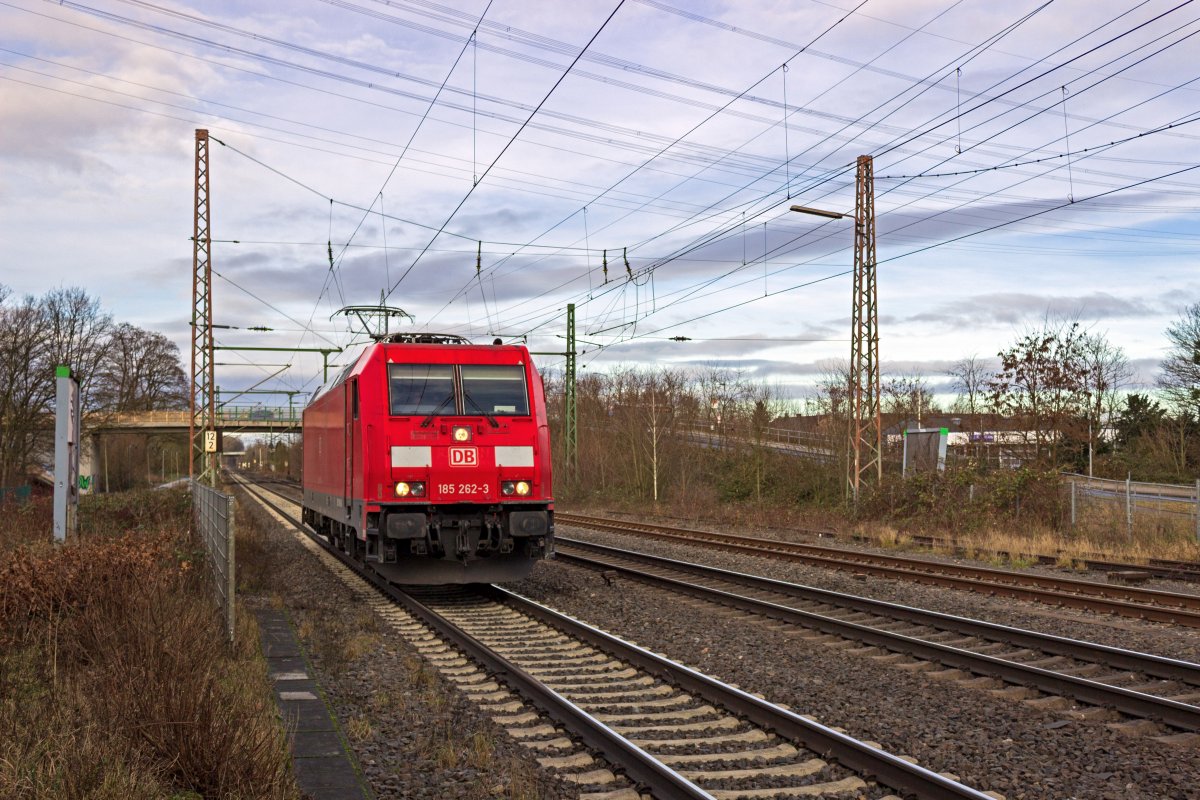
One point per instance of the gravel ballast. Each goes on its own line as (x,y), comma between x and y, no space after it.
(413,734)
(991,741)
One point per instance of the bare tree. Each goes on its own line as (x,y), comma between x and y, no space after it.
(65,326)
(24,393)
(908,397)
(1180,379)
(1043,380)
(140,371)
(971,376)
(1107,371)
(76,332)
(833,386)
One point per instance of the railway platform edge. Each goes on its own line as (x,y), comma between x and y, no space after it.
(321,761)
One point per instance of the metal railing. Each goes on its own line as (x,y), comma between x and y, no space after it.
(1134,499)
(814,446)
(276,417)
(229,413)
(213,513)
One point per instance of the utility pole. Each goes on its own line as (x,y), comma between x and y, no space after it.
(570,425)
(202,428)
(866,433)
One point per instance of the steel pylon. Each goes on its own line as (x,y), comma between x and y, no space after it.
(570,410)
(865,462)
(202,428)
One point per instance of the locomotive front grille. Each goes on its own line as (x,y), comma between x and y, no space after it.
(468,532)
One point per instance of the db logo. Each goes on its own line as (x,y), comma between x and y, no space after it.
(464,457)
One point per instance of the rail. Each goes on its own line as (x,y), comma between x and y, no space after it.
(213,512)
(661,780)
(746,592)
(1159,606)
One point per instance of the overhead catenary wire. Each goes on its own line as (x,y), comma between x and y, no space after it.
(923,190)
(503,150)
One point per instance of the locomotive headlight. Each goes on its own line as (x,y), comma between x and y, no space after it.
(403,489)
(461,433)
(519,488)
(410,488)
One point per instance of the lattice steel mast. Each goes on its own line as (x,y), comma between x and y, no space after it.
(865,434)
(572,429)
(202,428)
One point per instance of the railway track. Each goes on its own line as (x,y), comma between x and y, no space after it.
(1165,569)
(1162,568)
(1148,604)
(1132,683)
(670,730)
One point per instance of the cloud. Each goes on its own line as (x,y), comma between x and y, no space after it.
(1014,308)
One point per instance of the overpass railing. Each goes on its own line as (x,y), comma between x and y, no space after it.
(226,415)
(213,513)
(259,414)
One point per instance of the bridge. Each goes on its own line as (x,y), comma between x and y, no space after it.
(229,419)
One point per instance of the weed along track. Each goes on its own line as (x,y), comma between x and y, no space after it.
(1039,668)
(620,720)
(1170,607)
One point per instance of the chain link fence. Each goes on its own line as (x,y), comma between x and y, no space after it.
(1137,505)
(213,513)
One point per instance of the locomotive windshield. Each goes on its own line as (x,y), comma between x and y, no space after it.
(421,388)
(487,389)
(494,390)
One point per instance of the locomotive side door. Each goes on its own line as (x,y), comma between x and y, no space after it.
(351,421)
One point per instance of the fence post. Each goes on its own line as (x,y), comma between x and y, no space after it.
(1129,504)
(971,493)
(1072,505)
(1198,509)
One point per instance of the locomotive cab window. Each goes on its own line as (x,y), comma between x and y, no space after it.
(495,390)
(421,389)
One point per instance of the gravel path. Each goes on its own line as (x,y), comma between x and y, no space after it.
(991,742)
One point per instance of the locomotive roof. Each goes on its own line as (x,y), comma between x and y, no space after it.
(426,353)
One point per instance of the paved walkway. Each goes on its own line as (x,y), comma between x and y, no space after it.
(321,760)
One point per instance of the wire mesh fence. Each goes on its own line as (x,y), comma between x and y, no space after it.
(213,512)
(1134,506)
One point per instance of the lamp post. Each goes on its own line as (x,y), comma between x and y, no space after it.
(865,433)
(820,212)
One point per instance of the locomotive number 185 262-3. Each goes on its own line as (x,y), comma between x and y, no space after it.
(462,488)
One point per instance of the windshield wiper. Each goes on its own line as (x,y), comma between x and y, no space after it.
(425,422)
(471,400)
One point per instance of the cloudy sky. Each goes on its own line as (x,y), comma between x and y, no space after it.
(1030,159)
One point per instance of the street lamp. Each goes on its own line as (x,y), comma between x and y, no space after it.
(820,212)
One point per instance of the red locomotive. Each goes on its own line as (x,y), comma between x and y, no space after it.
(430,457)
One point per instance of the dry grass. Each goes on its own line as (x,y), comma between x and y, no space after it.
(115,677)
(359,729)
(889,537)
(1017,514)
